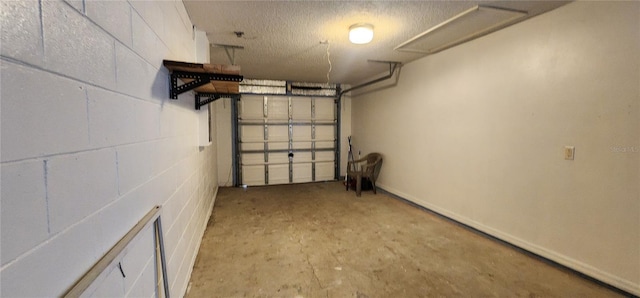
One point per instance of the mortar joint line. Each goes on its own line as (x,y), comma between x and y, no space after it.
(86,98)
(46,195)
(41,29)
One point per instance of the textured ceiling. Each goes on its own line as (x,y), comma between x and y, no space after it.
(282,39)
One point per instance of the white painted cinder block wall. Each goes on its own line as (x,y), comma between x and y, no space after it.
(91,142)
(224,138)
(477,133)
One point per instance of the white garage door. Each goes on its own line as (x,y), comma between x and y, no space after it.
(286,139)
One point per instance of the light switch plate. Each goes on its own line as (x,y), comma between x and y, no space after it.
(569,152)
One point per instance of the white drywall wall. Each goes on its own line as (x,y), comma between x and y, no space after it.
(477,133)
(345,131)
(223,135)
(91,142)
(202,46)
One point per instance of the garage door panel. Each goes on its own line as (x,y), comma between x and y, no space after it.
(278,174)
(325,155)
(325,171)
(325,109)
(278,108)
(302,145)
(302,132)
(278,133)
(325,132)
(253,146)
(302,157)
(251,108)
(253,175)
(325,145)
(249,133)
(301,108)
(302,173)
(279,146)
(253,158)
(279,158)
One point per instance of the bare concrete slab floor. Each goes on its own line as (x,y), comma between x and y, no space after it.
(317,240)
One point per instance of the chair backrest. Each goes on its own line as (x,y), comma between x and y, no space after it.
(375,161)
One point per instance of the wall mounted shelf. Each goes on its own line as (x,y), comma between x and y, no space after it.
(209,81)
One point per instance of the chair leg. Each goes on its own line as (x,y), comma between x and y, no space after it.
(373,184)
(359,185)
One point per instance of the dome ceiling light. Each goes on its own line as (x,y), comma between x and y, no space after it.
(361,33)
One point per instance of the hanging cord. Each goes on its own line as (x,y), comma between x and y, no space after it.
(328,60)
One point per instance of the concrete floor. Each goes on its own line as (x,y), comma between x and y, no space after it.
(318,240)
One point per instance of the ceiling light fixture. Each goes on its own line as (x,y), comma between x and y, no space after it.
(361,33)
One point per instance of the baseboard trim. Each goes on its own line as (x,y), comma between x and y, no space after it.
(622,286)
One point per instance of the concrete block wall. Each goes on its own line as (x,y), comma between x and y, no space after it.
(90,142)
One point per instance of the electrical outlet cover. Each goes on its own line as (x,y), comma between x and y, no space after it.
(569,152)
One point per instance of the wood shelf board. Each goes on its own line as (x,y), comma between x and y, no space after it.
(202,68)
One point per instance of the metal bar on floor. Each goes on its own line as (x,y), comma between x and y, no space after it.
(89,282)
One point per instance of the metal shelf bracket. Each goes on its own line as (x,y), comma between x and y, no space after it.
(199,79)
(202,99)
